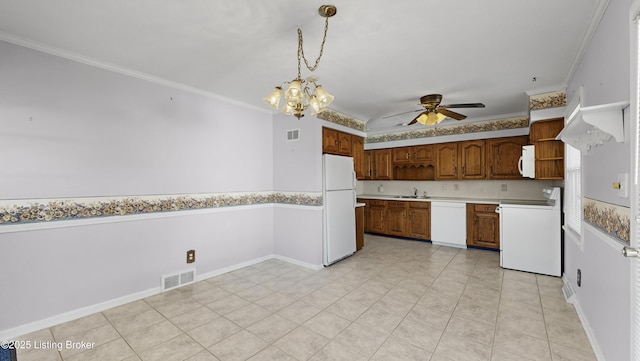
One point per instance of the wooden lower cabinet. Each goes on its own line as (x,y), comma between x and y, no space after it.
(396,218)
(419,223)
(483,225)
(359,228)
(375,221)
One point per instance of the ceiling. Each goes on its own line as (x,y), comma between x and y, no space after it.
(380,56)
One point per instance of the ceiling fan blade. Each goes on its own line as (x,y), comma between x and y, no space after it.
(450,114)
(464,105)
(395,115)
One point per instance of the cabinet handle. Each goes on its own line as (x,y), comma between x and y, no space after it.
(336,142)
(463,170)
(407,155)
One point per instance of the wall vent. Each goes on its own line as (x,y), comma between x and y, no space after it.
(568,292)
(178,279)
(293,134)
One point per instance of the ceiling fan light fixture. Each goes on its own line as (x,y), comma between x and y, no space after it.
(430,118)
(298,97)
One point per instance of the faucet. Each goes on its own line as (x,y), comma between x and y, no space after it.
(415,192)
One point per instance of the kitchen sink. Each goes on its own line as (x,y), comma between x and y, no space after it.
(411,197)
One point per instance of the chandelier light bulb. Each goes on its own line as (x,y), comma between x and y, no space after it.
(273,98)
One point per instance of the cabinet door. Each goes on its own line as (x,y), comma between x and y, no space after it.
(383,164)
(369,163)
(357,152)
(330,141)
(502,157)
(447,161)
(344,143)
(423,153)
(483,226)
(377,216)
(401,155)
(396,218)
(359,228)
(419,223)
(472,160)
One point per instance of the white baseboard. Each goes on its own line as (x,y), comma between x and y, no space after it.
(585,324)
(312,266)
(15,332)
(12,333)
(204,276)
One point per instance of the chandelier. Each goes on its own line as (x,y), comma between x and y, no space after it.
(299,96)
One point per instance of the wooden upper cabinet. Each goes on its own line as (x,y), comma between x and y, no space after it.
(416,154)
(401,155)
(447,161)
(471,161)
(344,143)
(336,142)
(369,164)
(357,152)
(423,153)
(382,161)
(330,141)
(549,152)
(503,155)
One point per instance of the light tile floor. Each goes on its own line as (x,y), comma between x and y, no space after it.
(393,300)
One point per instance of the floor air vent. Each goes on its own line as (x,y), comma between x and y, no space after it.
(178,279)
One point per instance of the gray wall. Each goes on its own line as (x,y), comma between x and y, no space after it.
(604,72)
(74,130)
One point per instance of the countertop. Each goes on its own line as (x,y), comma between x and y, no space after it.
(390,197)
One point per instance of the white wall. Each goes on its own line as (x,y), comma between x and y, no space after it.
(604,296)
(298,168)
(73,130)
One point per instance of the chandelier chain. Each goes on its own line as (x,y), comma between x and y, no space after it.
(301,48)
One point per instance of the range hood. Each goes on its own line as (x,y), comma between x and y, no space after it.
(589,127)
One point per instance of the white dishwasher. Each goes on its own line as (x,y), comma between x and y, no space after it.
(449,224)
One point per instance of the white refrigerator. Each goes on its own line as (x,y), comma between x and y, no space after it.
(339,195)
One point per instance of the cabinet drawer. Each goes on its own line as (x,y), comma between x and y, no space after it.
(424,205)
(485,207)
(397,204)
(376,202)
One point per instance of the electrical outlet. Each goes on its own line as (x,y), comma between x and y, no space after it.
(503,187)
(456,187)
(191,256)
(579,280)
(444,187)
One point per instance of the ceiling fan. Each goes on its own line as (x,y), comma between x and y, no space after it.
(434,113)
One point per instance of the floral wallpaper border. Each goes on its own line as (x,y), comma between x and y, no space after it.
(547,100)
(612,219)
(48,210)
(342,119)
(484,126)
